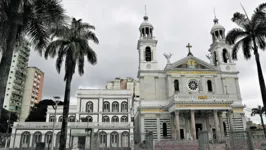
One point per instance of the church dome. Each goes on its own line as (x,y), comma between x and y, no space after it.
(217,26)
(145,23)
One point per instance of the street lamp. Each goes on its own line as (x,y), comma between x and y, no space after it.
(56,101)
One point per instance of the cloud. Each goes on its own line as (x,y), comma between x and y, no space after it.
(176,23)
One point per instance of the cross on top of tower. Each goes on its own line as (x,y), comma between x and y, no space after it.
(189,52)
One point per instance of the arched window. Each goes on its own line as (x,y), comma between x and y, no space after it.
(209,84)
(225,56)
(115,107)
(148,56)
(125,139)
(215,60)
(89,118)
(48,138)
(60,119)
(25,139)
(114,139)
(103,139)
(106,106)
(57,139)
(51,118)
(106,119)
(89,107)
(176,83)
(71,119)
(124,107)
(164,129)
(124,119)
(115,119)
(37,137)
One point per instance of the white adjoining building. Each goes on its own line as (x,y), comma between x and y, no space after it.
(107,111)
(190,94)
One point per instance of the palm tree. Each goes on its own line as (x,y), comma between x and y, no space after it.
(25,18)
(259,111)
(71,45)
(251,36)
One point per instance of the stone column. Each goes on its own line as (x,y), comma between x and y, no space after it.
(170,85)
(217,128)
(193,129)
(158,127)
(31,137)
(142,132)
(220,115)
(87,143)
(230,120)
(172,116)
(208,126)
(75,142)
(177,125)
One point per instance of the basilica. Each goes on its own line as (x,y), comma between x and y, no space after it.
(189,95)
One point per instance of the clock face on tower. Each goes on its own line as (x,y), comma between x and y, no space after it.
(148,66)
(193,85)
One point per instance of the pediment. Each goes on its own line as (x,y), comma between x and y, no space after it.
(190,63)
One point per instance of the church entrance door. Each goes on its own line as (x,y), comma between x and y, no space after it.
(182,134)
(198,128)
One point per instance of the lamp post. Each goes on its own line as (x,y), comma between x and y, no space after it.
(56,101)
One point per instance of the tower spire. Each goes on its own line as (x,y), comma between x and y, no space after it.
(145,17)
(215,20)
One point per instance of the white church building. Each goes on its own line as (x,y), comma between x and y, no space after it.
(107,111)
(188,95)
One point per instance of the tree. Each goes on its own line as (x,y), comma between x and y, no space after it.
(39,110)
(25,18)
(7,116)
(251,36)
(259,111)
(72,44)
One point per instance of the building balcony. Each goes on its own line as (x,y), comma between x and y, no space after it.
(21,65)
(20,75)
(73,125)
(18,87)
(15,98)
(17,93)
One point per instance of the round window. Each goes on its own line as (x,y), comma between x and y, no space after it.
(193,85)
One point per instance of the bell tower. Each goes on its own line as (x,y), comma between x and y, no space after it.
(220,51)
(147,46)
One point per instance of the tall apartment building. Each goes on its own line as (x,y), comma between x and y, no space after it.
(32,90)
(16,78)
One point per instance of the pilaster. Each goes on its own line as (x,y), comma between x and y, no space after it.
(177,125)
(220,115)
(217,128)
(158,127)
(193,128)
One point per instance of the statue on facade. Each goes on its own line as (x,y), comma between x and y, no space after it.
(168,57)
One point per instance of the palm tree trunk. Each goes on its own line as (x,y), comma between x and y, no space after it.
(262,123)
(260,74)
(5,64)
(63,136)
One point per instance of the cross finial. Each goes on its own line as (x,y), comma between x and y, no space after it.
(145,11)
(189,46)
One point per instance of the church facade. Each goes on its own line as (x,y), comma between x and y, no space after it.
(188,95)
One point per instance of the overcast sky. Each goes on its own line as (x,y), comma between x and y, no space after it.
(176,23)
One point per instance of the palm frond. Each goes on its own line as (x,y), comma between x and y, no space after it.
(247,47)
(258,18)
(235,49)
(261,7)
(37,31)
(261,42)
(81,65)
(60,58)
(53,47)
(87,26)
(240,19)
(234,34)
(50,12)
(91,36)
